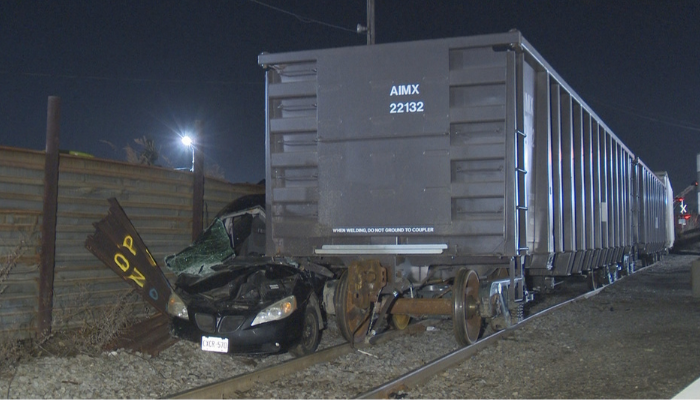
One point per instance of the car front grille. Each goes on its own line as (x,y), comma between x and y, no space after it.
(205,322)
(230,323)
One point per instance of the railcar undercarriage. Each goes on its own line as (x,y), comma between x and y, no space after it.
(368,297)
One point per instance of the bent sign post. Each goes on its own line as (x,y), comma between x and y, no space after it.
(117,244)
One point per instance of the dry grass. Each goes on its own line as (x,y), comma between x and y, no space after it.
(96,327)
(12,349)
(9,260)
(86,329)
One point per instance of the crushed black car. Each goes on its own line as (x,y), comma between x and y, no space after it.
(252,306)
(228,296)
(233,299)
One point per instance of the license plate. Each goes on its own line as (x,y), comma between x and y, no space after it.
(211,343)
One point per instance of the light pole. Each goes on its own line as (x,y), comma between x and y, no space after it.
(189,142)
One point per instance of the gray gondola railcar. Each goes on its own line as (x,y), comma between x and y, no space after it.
(463,165)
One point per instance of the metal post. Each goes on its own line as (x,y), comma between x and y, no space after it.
(370,22)
(48,225)
(697,188)
(198,183)
(695,278)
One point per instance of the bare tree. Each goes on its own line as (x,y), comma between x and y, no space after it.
(148,155)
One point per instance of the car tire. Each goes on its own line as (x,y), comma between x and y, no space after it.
(310,335)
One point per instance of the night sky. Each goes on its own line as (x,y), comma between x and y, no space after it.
(132,68)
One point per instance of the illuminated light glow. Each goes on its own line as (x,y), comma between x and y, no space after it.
(187,140)
(129,244)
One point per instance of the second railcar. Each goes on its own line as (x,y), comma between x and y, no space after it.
(449,176)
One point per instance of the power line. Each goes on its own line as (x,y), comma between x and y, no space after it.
(676,124)
(127,79)
(305,20)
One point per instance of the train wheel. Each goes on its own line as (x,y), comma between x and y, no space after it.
(593,282)
(352,320)
(400,321)
(465,316)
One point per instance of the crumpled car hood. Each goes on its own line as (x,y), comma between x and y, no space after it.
(240,287)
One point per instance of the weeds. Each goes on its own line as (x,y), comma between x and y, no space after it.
(86,329)
(98,327)
(11,348)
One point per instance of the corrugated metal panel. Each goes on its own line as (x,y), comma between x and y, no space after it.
(477,112)
(21,191)
(157,200)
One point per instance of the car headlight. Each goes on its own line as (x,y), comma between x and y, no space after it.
(176,307)
(279,310)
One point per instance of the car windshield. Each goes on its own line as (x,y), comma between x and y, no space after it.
(211,248)
(240,233)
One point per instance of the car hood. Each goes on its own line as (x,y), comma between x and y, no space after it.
(242,287)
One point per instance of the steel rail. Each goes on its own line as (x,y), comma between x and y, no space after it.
(422,374)
(234,387)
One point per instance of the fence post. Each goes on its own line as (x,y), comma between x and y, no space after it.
(48,224)
(198,184)
(695,278)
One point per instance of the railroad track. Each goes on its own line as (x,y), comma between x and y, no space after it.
(422,374)
(233,387)
(240,386)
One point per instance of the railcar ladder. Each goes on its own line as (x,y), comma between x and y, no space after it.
(520,193)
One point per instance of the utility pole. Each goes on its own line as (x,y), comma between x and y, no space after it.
(370,22)
(369,28)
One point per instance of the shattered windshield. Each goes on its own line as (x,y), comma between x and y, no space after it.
(240,233)
(211,248)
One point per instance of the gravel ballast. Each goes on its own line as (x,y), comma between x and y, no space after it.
(638,338)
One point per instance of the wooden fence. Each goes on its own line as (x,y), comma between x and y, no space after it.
(158,201)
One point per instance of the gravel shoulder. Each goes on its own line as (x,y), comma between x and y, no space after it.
(637,338)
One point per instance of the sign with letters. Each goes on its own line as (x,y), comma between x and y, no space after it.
(117,244)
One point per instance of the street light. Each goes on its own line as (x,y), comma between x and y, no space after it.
(189,142)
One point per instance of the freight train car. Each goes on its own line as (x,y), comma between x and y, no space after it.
(448,177)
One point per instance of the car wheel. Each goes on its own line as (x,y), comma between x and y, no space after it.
(310,336)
